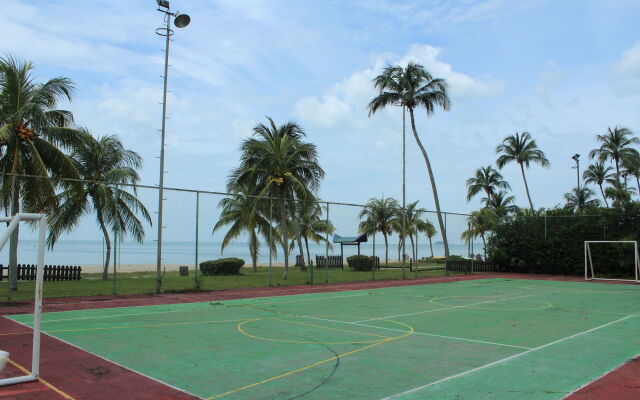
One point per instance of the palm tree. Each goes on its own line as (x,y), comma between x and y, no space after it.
(618,193)
(480,222)
(598,173)
(425,226)
(32,133)
(501,203)
(615,146)
(579,199)
(631,164)
(486,179)
(406,224)
(103,164)
(277,163)
(521,148)
(242,214)
(379,216)
(312,226)
(411,87)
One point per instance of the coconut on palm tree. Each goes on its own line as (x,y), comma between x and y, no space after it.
(615,146)
(486,179)
(276,163)
(379,216)
(33,133)
(413,87)
(107,170)
(580,199)
(598,173)
(522,149)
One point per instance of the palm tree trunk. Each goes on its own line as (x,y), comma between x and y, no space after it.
(415,255)
(253,248)
(604,197)
(484,246)
(13,241)
(386,248)
(413,249)
(400,242)
(285,239)
(107,241)
(299,240)
(443,231)
(526,186)
(306,244)
(430,246)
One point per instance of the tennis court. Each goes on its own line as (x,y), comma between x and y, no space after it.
(474,339)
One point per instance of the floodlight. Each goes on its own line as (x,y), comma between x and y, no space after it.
(181,20)
(163,3)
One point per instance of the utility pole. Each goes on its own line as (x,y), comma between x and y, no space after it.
(576,158)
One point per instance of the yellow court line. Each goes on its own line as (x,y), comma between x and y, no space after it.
(333,329)
(295,371)
(240,329)
(47,384)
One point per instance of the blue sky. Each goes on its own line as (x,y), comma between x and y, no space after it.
(564,71)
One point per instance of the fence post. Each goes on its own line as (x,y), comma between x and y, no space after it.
(326,255)
(195,272)
(270,238)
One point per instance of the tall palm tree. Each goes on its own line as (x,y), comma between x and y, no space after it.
(412,87)
(598,173)
(277,163)
(615,146)
(580,199)
(500,201)
(522,149)
(243,215)
(33,133)
(103,164)
(486,179)
(480,222)
(379,216)
(618,193)
(426,227)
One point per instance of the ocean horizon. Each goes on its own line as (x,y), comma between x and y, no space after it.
(93,252)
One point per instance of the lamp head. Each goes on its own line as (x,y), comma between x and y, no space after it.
(163,3)
(576,156)
(181,20)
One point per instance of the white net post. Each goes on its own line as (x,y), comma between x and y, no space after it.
(37,311)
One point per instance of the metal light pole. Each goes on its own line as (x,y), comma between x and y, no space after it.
(404,190)
(180,21)
(576,158)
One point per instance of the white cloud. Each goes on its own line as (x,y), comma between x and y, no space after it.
(627,72)
(346,102)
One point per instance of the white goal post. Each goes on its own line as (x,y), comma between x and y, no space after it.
(589,273)
(37,312)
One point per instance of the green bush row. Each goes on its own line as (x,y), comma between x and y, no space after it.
(360,263)
(222,266)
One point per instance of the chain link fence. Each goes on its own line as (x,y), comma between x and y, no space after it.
(114,262)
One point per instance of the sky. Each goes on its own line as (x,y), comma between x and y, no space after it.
(563,71)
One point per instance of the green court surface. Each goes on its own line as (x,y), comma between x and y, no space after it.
(478,339)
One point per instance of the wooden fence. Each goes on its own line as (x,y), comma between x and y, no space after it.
(472,266)
(333,262)
(27,272)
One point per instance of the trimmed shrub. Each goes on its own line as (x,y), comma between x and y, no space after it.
(440,260)
(360,263)
(222,266)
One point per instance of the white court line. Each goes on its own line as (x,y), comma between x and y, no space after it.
(416,333)
(451,307)
(186,310)
(491,364)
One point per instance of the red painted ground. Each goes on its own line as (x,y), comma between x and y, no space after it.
(82,375)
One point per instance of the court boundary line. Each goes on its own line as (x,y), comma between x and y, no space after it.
(42,381)
(505,359)
(449,308)
(115,363)
(172,311)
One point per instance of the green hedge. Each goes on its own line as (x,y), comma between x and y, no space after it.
(555,244)
(440,260)
(360,263)
(222,266)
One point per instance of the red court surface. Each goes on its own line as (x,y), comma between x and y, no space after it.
(71,373)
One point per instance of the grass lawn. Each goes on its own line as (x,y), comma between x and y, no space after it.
(144,282)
